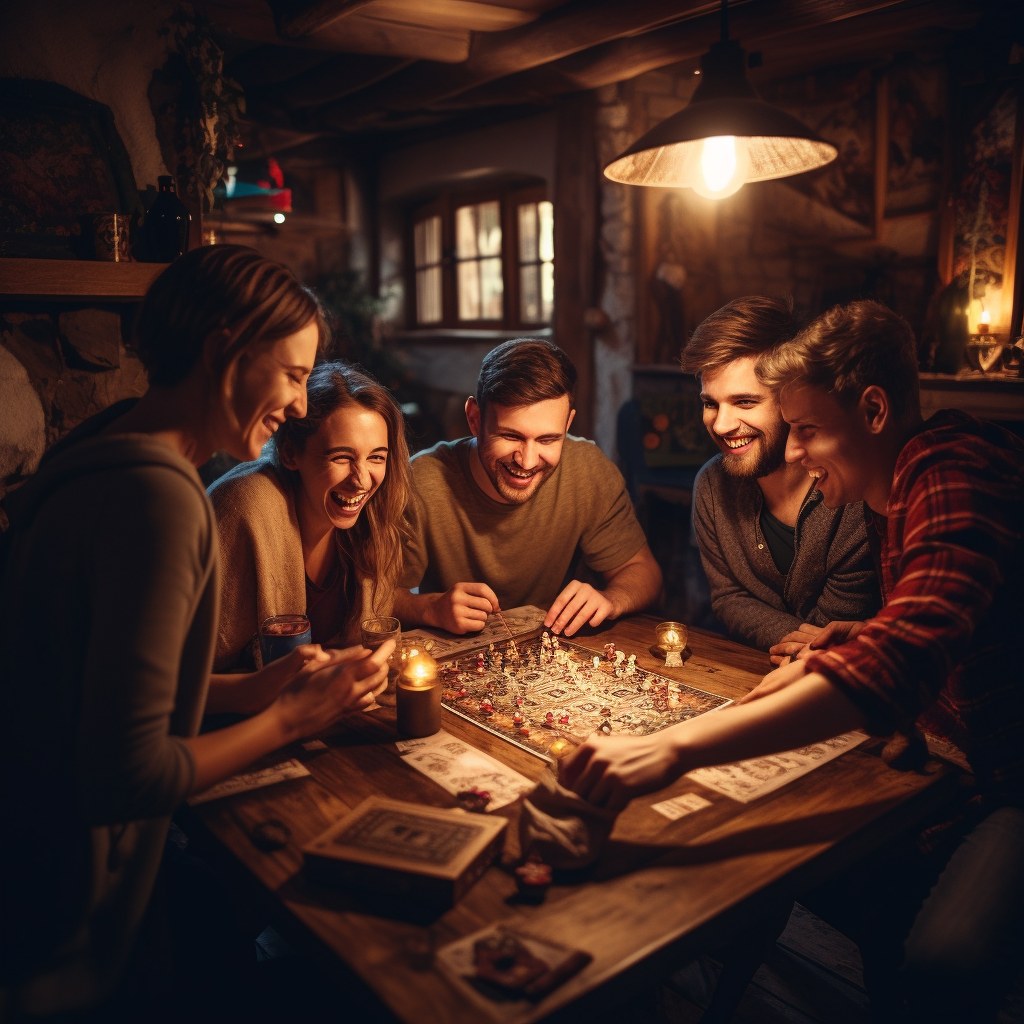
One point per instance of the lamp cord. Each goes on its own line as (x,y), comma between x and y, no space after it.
(724,19)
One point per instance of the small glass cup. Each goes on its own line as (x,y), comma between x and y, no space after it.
(282,633)
(670,642)
(374,633)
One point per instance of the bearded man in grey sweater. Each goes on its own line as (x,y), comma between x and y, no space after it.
(781,565)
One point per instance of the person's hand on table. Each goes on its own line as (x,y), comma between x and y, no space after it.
(835,633)
(775,681)
(462,609)
(321,693)
(610,770)
(792,643)
(579,604)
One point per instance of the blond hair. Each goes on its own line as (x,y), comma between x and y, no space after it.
(846,350)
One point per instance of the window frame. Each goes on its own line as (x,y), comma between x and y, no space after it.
(445,204)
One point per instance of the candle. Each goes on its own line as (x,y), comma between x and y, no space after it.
(671,638)
(986,320)
(419,696)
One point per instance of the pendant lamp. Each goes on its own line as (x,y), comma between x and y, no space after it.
(724,138)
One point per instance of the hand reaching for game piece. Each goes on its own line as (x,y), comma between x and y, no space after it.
(462,609)
(610,770)
(579,604)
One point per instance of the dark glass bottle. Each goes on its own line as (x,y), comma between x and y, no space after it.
(165,227)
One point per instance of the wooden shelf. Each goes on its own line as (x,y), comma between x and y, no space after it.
(76,280)
(989,396)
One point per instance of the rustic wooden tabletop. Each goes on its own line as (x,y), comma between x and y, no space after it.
(661,889)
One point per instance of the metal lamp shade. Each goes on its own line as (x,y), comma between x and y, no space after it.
(776,144)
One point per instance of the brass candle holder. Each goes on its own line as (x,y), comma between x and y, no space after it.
(418,696)
(670,642)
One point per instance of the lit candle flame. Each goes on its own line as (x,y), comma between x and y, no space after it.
(986,316)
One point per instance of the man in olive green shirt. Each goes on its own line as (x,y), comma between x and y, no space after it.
(505,517)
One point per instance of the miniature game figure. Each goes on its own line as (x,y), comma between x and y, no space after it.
(620,657)
(597,662)
(631,665)
(480,668)
(533,879)
(563,719)
(609,652)
(517,719)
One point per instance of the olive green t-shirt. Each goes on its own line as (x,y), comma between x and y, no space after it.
(524,553)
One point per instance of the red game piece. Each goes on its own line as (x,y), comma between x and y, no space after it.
(533,879)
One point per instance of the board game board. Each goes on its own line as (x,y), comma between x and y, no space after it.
(546,694)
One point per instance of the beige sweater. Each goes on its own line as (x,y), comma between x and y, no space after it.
(261,567)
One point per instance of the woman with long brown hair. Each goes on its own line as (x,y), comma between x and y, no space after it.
(313,526)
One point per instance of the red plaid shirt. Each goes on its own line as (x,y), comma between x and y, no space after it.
(945,650)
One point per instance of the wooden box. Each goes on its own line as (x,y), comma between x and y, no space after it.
(396,855)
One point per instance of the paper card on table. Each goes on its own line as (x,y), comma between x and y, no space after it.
(506,971)
(251,780)
(747,780)
(680,806)
(456,766)
(446,645)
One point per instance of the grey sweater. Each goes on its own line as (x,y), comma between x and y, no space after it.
(108,622)
(832,575)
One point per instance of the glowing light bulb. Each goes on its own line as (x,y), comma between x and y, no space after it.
(719,166)
(718,161)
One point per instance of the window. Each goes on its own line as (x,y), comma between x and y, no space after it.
(536,262)
(483,260)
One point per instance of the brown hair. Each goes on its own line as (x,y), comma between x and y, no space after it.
(219,288)
(744,327)
(847,349)
(374,544)
(525,371)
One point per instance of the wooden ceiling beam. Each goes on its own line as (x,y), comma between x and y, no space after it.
(576,26)
(612,61)
(309,19)
(785,31)
(358,33)
(332,80)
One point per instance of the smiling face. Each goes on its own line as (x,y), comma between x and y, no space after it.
(743,417)
(341,466)
(263,388)
(832,442)
(519,446)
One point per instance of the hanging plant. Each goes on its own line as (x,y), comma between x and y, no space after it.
(198,109)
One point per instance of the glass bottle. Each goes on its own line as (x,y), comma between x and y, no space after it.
(166,224)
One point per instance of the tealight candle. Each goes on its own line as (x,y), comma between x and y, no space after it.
(418,697)
(986,320)
(671,638)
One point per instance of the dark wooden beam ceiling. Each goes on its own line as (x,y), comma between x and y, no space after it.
(785,31)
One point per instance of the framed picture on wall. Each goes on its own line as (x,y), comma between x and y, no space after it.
(978,249)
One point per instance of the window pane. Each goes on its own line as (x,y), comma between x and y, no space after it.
(465,232)
(427,241)
(428,295)
(491,289)
(546,213)
(489,228)
(547,292)
(469,290)
(528,233)
(529,294)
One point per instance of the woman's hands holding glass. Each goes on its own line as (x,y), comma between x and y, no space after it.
(330,685)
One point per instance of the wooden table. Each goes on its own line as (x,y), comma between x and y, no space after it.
(662,889)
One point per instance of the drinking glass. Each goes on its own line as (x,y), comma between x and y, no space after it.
(282,633)
(375,632)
